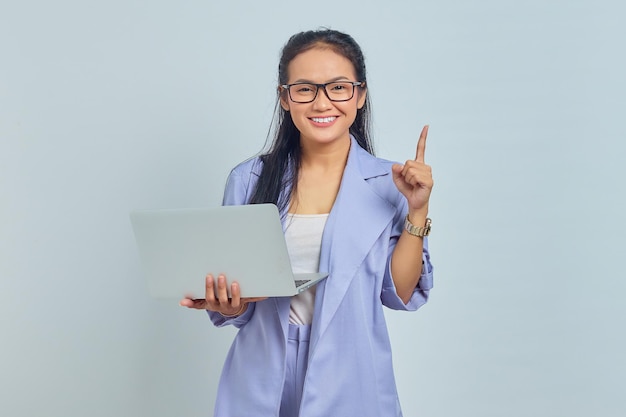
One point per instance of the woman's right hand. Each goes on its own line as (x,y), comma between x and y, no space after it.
(229,307)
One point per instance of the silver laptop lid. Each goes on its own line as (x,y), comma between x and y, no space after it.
(179,247)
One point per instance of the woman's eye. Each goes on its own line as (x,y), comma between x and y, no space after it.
(304,89)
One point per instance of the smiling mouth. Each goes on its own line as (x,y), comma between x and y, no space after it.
(324,119)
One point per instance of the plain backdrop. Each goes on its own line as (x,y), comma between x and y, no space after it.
(109,106)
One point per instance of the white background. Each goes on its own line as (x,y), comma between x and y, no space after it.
(108,106)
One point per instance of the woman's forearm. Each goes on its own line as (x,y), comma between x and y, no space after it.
(406,260)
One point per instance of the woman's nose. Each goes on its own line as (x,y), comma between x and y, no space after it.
(322,101)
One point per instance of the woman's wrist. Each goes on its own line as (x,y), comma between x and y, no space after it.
(418,217)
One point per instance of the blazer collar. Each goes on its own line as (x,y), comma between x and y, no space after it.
(358,158)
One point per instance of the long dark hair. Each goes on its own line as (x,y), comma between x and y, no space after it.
(281,163)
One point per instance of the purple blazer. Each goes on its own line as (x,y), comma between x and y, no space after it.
(349,367)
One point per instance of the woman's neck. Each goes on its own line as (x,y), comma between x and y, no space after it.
(319,178)
(325,156)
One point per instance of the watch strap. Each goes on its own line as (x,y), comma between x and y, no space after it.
(419,231)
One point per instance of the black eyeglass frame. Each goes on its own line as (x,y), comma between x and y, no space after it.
(323,87)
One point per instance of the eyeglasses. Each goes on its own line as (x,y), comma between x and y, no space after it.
(335,91)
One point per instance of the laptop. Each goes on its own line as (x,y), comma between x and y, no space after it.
(179,247)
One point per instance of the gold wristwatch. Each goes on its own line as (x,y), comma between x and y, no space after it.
(419,231)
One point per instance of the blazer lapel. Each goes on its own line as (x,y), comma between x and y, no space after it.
(356,221)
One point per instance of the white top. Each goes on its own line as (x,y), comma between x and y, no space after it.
(304,241)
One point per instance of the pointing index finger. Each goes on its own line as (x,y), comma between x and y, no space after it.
(421,145)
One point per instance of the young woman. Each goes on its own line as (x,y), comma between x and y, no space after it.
(361,219)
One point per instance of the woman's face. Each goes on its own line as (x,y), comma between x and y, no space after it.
(322,121)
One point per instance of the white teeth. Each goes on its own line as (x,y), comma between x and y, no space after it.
(323,119)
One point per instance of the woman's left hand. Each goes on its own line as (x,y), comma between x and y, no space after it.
(414,179)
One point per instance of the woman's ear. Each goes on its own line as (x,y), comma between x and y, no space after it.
(362,96)
(284,100)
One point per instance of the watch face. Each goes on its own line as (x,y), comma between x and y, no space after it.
(428,223)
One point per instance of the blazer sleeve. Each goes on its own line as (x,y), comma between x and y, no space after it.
(235,193)
(389,295)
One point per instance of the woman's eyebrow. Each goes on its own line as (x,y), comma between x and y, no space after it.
(303,80)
